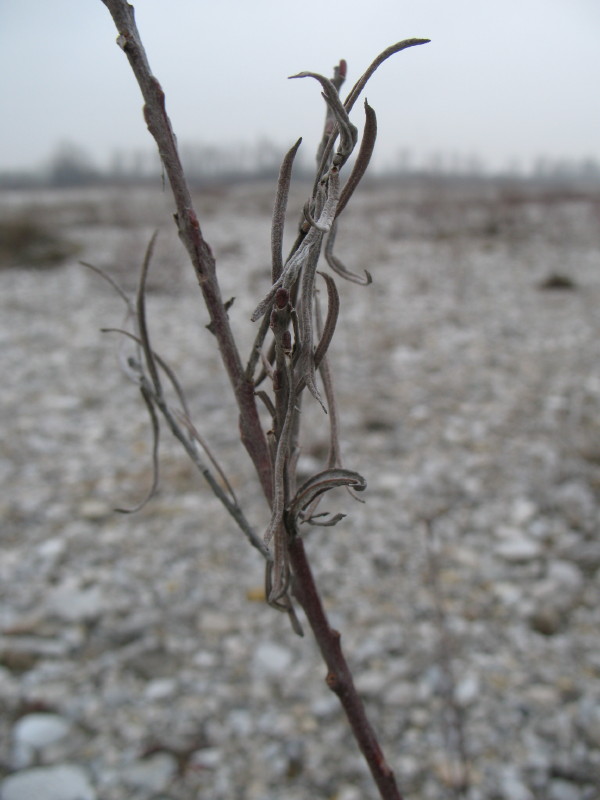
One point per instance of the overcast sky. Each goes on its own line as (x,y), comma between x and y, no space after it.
(502,80)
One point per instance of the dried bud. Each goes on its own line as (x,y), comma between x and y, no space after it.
(282,298)
(286,341)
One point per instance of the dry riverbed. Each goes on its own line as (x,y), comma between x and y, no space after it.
(138,659)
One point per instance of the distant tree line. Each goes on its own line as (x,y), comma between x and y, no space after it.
(72,166)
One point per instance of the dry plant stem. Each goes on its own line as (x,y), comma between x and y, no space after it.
(159,125)
(297,275)
(339,677)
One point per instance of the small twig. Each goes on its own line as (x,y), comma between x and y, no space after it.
(234,510)
(160,361)
(171,418)
(268,403)
(256,353)
(109,279)
(339,677)
(185,420)
(201,256)
(339,76)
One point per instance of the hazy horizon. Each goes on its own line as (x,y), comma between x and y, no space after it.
(504,83)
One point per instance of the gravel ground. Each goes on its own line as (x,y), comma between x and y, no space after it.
(138,659)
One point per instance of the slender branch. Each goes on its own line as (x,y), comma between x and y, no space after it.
(151,390)
(173,418)
(188,225)
(231,506)
(184,418)
(273,455)
(339,677)
(256,352)
(339,76)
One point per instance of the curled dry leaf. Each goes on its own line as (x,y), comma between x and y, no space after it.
(338,266)
(323,482)
(348,132)
(365,152)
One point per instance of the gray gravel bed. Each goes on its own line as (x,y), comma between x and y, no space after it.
(137,657)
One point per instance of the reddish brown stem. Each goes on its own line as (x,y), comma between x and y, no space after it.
(339,678)
(159,125)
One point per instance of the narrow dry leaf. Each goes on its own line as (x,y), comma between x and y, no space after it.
(281,199)
(149,401)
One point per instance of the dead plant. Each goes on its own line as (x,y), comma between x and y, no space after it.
(287,360)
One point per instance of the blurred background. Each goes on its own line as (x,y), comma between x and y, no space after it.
(137,657)
(503,86)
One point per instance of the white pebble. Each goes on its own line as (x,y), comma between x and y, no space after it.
(63,782)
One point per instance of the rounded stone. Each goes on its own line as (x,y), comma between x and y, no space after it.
(40,730)
(62,782)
